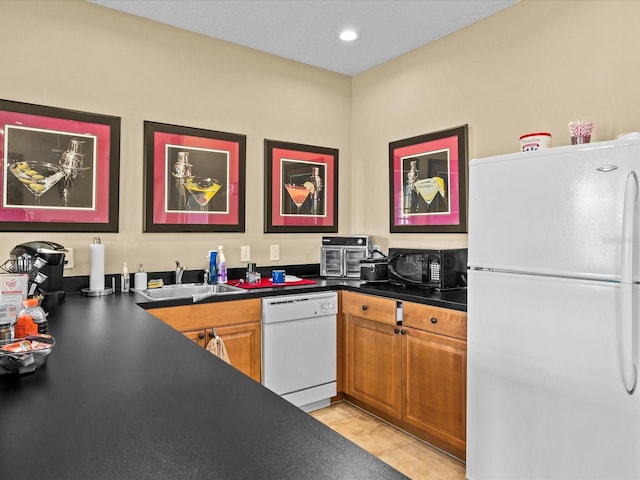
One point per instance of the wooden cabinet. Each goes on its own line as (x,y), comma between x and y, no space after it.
(372,352)
(412,375)
(374,373)
(237,322)
(435,388)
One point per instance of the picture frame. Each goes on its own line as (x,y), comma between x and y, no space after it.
(60,169)
(194,179)
(428,182)
(301,188)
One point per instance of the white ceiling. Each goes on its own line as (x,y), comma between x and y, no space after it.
(306,30)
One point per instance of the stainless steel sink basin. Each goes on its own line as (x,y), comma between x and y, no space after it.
(186,290)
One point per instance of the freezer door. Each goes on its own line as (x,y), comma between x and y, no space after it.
(546,398)
(557,211)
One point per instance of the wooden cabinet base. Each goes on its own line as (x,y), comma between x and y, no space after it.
(237,323)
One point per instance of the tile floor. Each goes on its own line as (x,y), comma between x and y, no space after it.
(402,451)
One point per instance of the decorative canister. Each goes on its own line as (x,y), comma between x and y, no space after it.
(535,141)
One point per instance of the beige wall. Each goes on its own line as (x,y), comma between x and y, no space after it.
(534,66)
(84,57)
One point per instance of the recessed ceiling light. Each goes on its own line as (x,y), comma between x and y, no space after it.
(348,35)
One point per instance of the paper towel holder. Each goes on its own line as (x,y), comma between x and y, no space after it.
(87,292)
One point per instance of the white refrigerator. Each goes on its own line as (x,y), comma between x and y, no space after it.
(553,306)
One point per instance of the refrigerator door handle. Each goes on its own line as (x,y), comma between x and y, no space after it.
(628,321)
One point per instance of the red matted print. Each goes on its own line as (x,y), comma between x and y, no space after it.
(194,179)
(428,183)
(301,188)
(59,169)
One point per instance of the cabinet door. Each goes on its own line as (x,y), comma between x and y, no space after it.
(373,364)
(243,347)
(197,336)
(435,387)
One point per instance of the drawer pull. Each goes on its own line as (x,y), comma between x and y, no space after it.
(434,320)
(396,330)
(403,332)
(201,335)
(364,307)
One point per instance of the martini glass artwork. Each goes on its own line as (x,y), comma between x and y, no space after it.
(202,189)
(37,177)
(428,188)
(298,194)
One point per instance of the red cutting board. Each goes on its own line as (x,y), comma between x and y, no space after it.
(267,283)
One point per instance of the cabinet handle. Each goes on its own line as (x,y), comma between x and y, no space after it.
(403,332)
(201,335)
(364,307)
(396,330)
(434,320)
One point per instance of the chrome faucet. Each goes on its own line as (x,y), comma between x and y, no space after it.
(179,272)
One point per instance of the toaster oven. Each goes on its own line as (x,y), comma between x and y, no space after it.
(340,256)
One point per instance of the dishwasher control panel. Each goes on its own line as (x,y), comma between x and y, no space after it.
(299,306)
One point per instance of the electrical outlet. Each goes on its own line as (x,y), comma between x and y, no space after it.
(245,253)
(68,259)
(275,252)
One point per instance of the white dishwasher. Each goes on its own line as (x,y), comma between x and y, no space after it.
(299,348)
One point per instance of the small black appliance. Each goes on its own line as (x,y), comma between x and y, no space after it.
(52,253)
(444,269)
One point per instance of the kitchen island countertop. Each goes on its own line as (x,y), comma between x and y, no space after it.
(124,396)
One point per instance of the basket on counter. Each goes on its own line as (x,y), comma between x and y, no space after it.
(26,361)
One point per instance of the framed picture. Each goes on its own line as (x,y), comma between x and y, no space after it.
(301,188)
(194,179)
(428,183)
(59,170)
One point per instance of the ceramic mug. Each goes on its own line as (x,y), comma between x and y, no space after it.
(277,277)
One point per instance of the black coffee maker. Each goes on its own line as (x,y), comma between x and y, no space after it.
(53,254)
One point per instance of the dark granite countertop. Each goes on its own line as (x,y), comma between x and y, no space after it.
(124,396)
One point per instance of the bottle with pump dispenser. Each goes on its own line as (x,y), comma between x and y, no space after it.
(140,279)
(222,266)
(124,279)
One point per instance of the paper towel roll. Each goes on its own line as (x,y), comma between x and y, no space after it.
(96,275)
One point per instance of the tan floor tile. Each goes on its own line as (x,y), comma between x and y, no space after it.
(402,451)
(419,462)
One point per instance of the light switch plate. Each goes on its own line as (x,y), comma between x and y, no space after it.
(245,253)
(68,259)
(275,252)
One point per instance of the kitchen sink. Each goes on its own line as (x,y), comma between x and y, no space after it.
(195,290)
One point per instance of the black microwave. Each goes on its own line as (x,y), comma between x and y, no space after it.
(439,269)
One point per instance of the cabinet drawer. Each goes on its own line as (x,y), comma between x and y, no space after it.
(435,319)
(378,309)
(207,315)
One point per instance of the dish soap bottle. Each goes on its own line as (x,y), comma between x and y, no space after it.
(222,266)
(140,279)
(124,279)
(213,255)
